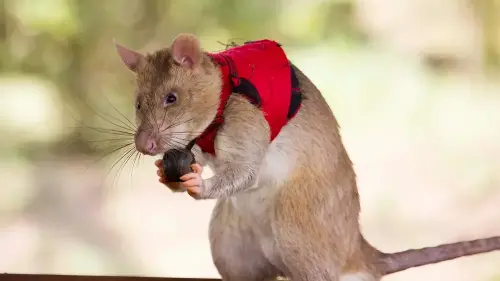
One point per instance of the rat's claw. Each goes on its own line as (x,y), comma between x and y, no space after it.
(197,168)
(161,174)
(189,176)
(193,190)
(191,183)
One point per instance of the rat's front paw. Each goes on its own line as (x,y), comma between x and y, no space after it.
(193,182)
(173,186)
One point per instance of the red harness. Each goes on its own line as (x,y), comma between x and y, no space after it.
(261,71)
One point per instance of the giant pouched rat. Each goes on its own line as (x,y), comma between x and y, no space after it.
(287,199)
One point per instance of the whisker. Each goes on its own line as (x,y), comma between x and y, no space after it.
(103,118)
(119,140)
(108,140)
(100,130)
(105,147)
(106,131)
(180,142)
(126,129)
(178,117)
(179,134)
(147,107)
(177,142)
(135,162)
(106,154)
(139,160)
(125,162)
(118,161)
(163,119)
(172,142)
(169,141)
(175,124)
(131,126)
(113,150)
(69,142)
(120,126)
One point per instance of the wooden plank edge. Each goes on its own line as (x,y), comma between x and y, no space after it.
(62,277)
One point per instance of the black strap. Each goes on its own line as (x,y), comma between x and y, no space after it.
(214,125)
(296,95)
(190,145)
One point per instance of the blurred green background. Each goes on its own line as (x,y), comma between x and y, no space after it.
(414,83)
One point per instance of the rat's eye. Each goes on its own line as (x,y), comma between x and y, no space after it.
(170,98)
(138,105)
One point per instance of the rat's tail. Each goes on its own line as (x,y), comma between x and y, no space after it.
(395,262)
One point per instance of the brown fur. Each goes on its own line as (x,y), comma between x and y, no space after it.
(287,208)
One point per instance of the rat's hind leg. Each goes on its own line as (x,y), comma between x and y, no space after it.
(236,253)
(321,242)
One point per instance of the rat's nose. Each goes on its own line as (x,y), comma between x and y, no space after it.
(150,146)
(145,144)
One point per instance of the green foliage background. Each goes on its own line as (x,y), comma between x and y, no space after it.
(421,126)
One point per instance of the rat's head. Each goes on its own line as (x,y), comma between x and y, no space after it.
(177,94)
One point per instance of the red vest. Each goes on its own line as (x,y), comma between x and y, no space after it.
(260,70)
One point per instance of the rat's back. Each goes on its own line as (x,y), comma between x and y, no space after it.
(309,142)
(306,192)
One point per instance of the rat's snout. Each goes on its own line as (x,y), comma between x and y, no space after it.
(145,143)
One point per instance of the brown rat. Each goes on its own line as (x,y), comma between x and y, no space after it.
(285,207)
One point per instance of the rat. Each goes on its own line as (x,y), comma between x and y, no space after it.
(287,198)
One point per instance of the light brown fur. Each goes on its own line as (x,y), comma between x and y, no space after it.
(287,208)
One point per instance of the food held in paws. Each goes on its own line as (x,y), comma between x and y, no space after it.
(176,163)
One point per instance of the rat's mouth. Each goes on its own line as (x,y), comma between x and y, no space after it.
(151,147)
(147,144)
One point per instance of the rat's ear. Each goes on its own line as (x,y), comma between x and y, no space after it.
(186,50)
(131,59)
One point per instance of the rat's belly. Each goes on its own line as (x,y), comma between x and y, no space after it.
(257,202)
(256,205)
(255,208)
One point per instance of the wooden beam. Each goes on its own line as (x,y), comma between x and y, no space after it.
(55,277)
